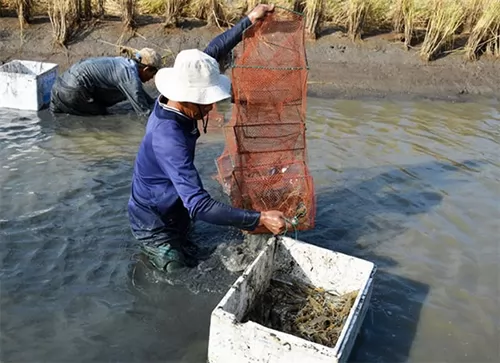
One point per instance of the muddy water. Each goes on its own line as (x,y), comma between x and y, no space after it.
(413,187)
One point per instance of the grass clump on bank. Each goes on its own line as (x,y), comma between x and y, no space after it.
(431,25)
(314,12)
(357,14)
(485,36)
(446,18)
(215,12)
(84,10)
(173,12)
(24,8)
(410,18)
(128,13)
(63,15)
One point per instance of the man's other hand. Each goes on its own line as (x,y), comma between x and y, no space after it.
(260,12)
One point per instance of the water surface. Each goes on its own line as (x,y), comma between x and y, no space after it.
(413,187)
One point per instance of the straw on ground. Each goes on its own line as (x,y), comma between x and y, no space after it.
(437,22)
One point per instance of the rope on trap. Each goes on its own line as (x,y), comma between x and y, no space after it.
(295,220)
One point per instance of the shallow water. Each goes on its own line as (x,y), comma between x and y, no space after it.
(413,187)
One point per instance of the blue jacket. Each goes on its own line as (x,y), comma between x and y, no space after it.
(164,167)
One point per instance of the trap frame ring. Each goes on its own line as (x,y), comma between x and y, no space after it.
(233,58)
(273,68)
(298,13)
(290,10)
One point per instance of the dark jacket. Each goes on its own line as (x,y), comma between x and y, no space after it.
(164,170)
(91,85)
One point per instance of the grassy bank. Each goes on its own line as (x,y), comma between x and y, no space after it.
(435,27)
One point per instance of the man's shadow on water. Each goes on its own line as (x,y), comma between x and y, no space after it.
(370,209)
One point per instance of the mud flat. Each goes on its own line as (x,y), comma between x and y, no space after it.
(376,67)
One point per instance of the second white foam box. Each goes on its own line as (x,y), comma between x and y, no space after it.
(233,340)
(26,85)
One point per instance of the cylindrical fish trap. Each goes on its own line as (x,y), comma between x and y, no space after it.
(264,163)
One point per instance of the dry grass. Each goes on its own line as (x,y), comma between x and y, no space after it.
(438,20)
(485,35)
(356,16)
(314,12)
(100,8)
(361,17)
(24,10)
(446,18)
(173,11)
(63,15)
(215,12)
(86,9)
(128,13)
(377,17)
(473,11)
(152,6)
(408,16)
(83,10)
(397,15)
(335,12)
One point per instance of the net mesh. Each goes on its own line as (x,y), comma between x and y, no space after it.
(264,163)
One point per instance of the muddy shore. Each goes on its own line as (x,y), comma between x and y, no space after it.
(377,67)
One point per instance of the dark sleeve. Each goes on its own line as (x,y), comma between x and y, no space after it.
(172,154)
(131,87)
(221,45)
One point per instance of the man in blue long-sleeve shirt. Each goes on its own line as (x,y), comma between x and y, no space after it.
(167,191)
(92,85)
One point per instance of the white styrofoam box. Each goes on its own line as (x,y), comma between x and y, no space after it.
(232,340)
(26,85)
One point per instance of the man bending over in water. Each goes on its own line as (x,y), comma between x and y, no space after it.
(92,85)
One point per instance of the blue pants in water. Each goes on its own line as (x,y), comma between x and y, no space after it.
(169,247)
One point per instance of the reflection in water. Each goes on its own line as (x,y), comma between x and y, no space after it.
(413,187)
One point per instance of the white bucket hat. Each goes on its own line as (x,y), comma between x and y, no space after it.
(195,77)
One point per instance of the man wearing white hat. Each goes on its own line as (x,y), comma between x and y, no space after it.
(167,191)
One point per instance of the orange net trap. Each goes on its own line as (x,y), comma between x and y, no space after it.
(264,163)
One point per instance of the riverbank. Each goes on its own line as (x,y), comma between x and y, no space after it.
(377,67)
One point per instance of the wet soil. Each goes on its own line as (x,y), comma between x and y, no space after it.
(377,67)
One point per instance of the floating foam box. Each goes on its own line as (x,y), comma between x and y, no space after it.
(233,340)
(26,85)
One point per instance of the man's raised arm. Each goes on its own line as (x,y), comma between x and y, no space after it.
(222,44)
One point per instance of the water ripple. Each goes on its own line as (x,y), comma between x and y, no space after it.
(413,187)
